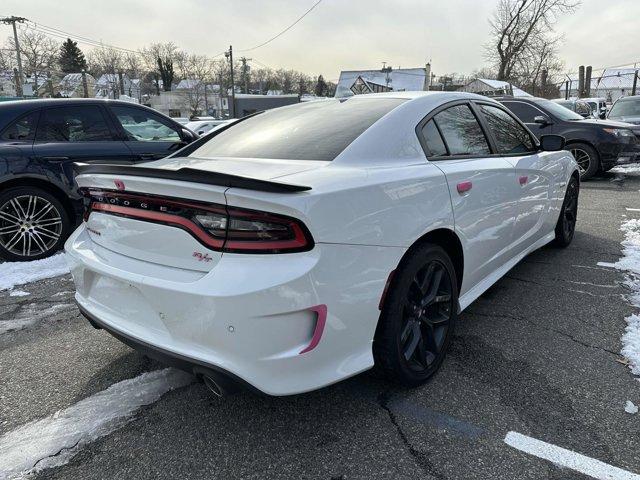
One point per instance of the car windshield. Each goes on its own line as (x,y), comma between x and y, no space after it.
(625,108)
(559,111)
(306,131)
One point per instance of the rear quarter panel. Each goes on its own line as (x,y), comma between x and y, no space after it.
(381,206)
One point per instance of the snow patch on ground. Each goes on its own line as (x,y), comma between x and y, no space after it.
(32,314)
(630,407)
(54,440)
(18,293)
(19,273)
(627,170)
(630,262)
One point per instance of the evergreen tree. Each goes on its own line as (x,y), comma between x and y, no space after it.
(71,58)
(321,87)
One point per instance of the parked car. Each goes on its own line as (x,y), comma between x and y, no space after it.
(597,145)
(580,107)
(205,126)
(40,140)
(598,106)
(626,109)
(307,243)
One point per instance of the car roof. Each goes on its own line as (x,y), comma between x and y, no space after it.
(630,97)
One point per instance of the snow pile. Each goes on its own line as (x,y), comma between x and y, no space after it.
(54,440)
(31,315)
(631,263)
(19,273)
(630,407)
(18,293)
(627,169)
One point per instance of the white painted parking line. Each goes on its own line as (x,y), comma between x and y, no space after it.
(567,458)
(633,209)
(54,440)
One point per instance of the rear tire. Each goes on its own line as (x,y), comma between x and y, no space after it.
(33,224)
(418,317)
(566,226)
(587,159)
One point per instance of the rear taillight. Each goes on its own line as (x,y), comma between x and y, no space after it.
(218,227)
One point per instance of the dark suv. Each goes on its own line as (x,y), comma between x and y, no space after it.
(40,140)
(597,145)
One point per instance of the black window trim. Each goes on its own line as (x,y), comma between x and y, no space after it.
(36,111)
(432,114)
(542,112)
(494,152)
(105,117)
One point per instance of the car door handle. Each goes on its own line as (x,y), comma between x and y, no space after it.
(147,156)
(55,158)
(523,180)
(464,187)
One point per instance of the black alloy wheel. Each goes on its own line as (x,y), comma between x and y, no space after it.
(418,317)
(566,226)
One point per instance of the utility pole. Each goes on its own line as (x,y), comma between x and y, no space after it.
(232,107)
(581,81)
(587,81)
(245,73)
(13,20)
(635,82)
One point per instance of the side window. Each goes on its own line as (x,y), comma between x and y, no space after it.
(23,129)
(143,126)
(83,123)
(462,132)
(526,113)
(510,136)
(431,135)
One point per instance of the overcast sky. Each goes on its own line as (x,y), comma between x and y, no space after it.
(338,34)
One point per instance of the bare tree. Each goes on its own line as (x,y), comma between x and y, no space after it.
(518,27)
(198,74)
(39,53)
(105,60)
(159,59)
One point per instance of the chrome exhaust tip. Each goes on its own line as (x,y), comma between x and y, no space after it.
(213,386)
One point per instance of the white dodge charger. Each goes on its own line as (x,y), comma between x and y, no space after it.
(306,244)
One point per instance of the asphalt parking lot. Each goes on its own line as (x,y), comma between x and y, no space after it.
(537,355)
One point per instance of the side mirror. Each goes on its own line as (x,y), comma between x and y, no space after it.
(542,120)
(552,143)
(187,136)
(603,113)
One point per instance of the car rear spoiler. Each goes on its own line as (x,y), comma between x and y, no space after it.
(186,174)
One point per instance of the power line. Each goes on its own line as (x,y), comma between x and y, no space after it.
(285,30)
(55,32)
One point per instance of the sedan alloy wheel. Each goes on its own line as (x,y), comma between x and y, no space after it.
(426,316)
(30,225)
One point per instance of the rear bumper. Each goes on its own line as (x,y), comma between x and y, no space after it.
(190,365)
(252,317)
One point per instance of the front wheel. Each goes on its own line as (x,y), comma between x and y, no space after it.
(587,159)
(566,226)
(418,317)
(33,224)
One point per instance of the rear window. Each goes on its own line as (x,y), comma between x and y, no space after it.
(308,131)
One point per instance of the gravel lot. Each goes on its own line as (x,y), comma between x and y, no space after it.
(538,354)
